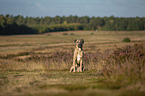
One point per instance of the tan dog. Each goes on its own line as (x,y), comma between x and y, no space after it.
(78,56)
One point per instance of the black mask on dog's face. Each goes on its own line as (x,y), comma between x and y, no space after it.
(79,43)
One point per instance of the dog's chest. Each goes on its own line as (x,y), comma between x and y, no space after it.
(79,55)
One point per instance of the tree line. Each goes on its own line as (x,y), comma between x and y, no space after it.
(10,24)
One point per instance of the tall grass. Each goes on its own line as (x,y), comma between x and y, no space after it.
(125,66)
(120,68)
(59,60)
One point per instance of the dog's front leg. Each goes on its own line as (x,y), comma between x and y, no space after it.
(74,60)
(81,65)
(81,61)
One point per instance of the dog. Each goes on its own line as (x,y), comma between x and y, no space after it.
(78,56)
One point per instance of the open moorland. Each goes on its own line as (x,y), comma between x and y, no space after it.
(38,65)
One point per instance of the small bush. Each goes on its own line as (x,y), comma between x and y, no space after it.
(72,34)
(49,35)
(65,34)
(92,34)
(126,40)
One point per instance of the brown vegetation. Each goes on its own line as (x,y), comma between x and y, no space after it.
(38,65)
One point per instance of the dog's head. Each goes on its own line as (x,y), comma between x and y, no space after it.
(79,42)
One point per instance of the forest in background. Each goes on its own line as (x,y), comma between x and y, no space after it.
(10,24)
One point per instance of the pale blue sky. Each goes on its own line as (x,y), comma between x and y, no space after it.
(34,8)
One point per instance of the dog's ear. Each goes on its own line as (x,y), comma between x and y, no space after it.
(82,41)
(75,41)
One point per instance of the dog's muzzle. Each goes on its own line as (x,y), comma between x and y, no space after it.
(80,45)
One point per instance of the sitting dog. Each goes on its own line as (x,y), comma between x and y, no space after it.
(78,56)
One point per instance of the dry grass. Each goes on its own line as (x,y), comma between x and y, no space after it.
(38,65)
(125,66)
(101,40)
(49,83)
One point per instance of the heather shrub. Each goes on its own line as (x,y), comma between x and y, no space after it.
(125,66)
(94,61)
(63,60)
(119,68)
(134,53)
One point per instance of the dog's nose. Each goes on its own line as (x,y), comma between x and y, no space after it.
(80,45)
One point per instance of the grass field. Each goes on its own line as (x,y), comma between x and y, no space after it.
(28,66)
(54,41)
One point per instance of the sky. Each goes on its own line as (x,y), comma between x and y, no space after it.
(97,8)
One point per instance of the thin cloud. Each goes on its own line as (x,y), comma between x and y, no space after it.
(41,7)
(100,8)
